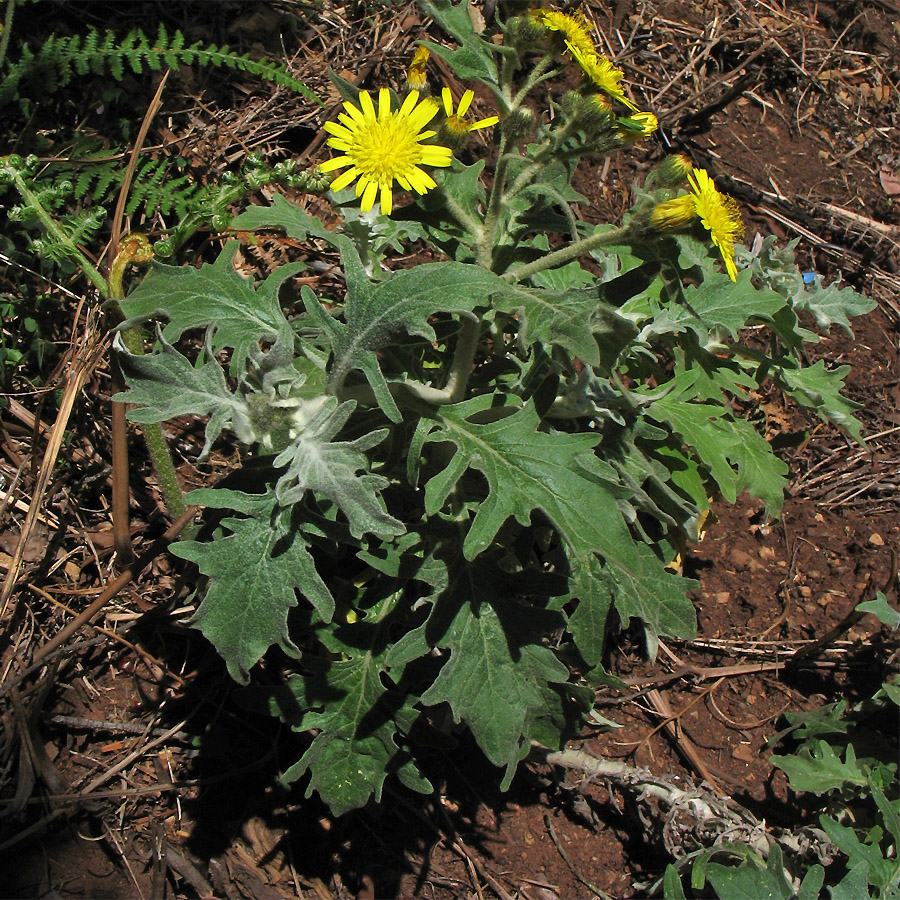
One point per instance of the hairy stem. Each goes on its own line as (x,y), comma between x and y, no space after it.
(568,253)
(462,217)
(136,249)
(489,229)
(454,389)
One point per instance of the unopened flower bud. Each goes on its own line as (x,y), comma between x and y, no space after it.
(519,124)
(598,109)
(416,75)
(671,172)
(523,32)
(673,215)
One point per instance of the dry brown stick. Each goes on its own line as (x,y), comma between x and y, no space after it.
(83,364)
(189,872)
(27,418)
(476,869)
(864,221)
(712,84)
(158,862)
(113,636)
(121,493)
(684,744)
(106,774)
(119,214)
(112,839)
(121,514)
(6,496)
(699,673)
(113,588)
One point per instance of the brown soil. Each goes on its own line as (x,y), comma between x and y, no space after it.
(806,140)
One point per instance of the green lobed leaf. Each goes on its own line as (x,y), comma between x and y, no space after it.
(571,318)
(672,886)
(589,622)
(818,769)
(495,676)
(882,610)
(775,266)
(295,221)
(238,314)
(853,886)
(254,573)
(473,56)
(719,301)
(376,312)
(881,872)
(751,880)
(820,389)
(165,384)
(890,813)
(833,305)
(737,456)
(330,468)
(811,885)
(528,469)
(645,589)
(355,749)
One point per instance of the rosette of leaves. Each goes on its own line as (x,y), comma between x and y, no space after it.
(429,559)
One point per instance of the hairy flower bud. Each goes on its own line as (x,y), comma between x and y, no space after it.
(523,32)
(416,75)
(672,172)
(519,124)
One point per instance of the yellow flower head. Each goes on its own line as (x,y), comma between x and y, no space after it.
(416,78)
(601,72)
(638,125)
(572,27)
(718,212)
(456,129)
(384,147)
(720,216)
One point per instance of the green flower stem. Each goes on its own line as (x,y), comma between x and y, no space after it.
(472,226)
(488,231)
(161,458)
(454,389)
(507,70)
(538,74)
(91,272)
(567,254)
(498,189)
(463,357)
(136,249)
(551,148)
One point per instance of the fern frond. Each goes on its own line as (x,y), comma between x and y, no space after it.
(81,228)
(61,57)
